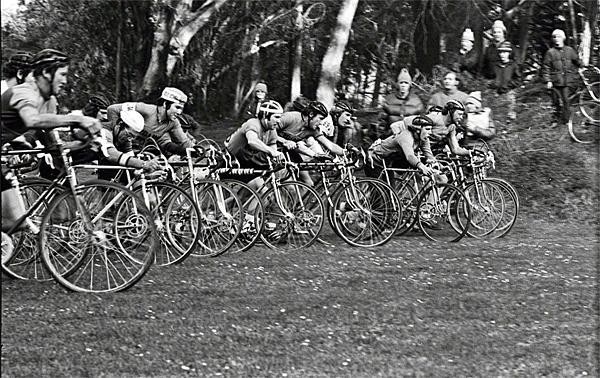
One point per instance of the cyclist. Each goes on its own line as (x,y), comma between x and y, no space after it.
(446,121)
(160,122)
(256,140)
(347,130)
(120,145)
(400,150)
(16,70)
(299,133)
(32,105)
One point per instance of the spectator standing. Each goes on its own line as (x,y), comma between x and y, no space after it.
(490,56)
(449,92)
(558,71)
(260,95)
(507,77)
(466,62)
(401,103)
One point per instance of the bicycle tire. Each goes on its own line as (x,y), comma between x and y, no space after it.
(221,219)
(254,219)
(305,221)
(84,256)
(511,208)
(487,205)
(26,263)
(434,219)
(176,216)
(366,215)
(582,128)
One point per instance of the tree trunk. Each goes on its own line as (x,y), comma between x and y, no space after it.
(183,32)
(427,39)
(153,77)
(573,23)
(377,86)
(118,61)
(296,84)
(524,32)
(332,61)
(174,29)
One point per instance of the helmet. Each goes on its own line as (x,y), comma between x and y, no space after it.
(49,58)
(267,108)
(421,121)
(174,95)
(451,106)
(300,103)
(20,60)
(99,100)
(315,107)
(342,106)
(133,119)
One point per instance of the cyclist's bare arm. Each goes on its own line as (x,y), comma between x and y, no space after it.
(453,144)
(256,144)
(329,145)
(34,120)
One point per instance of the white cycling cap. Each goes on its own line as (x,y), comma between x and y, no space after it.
(133,119)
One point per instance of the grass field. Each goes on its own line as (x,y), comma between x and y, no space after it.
(524,305)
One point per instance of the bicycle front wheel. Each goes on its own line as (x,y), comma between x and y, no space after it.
(294,216)
(438,207)
(177,221)
(101,239)
(583,127)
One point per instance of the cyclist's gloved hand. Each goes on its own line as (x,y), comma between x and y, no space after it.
(91,124)
(152,166)
(278,156)
(427,171)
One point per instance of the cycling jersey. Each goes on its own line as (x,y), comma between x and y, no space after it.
(292,127)
(402,145)
(17,98)
(238,141)
(168,133)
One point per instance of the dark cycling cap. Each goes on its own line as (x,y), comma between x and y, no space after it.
(421,121)
(300,103)
(453,105)
(315,107)
(20,60)
(48,57)
(99,100)
(342,106)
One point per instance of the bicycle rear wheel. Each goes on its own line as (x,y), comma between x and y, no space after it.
(221,218)
(486,202)
(296,221)
(106,246)
(511,207)
(438,206)
(582,126)
(25,262)
(366,214)
(253,216)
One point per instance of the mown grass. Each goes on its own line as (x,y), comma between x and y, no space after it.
(523,305)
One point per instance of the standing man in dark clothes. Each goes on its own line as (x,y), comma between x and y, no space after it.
(558,71)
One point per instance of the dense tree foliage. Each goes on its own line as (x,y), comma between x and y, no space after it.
(217,50)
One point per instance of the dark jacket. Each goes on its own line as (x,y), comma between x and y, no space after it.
(559,66)
(397,108)
(491,58)
(507,76)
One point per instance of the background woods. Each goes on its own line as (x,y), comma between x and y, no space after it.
(217,50)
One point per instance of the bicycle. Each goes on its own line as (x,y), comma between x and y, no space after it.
(584,120)
(82,224)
